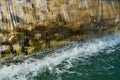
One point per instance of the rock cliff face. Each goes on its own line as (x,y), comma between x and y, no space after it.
(49,13)
(45,22)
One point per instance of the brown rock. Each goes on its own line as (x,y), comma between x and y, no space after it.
(30,50)
(17,48)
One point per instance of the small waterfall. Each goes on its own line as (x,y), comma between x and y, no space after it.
(86,3)
(13,17)
(100,10)
(113,6)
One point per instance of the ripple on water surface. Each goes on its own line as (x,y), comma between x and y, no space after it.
(95,59)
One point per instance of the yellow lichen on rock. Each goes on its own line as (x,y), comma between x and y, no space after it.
(30,50)
(17,48)
(30,25)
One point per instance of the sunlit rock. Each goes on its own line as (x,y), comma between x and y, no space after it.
(17,48)
(41,24)
(30,50)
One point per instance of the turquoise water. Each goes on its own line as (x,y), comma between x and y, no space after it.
(101,67)
(95,59)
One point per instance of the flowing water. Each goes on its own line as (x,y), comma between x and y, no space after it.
(94,59)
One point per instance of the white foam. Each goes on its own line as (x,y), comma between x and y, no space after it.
(88,48)
(3,48)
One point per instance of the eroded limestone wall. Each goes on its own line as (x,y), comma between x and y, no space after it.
(46,12)
(31,25)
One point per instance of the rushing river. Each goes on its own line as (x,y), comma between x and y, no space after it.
(95,59)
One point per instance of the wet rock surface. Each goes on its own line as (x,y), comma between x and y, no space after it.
(27,26)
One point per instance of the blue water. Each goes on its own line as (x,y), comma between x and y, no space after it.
(104,66)
(94,59)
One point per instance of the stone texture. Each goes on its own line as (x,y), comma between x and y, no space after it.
(47,23)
